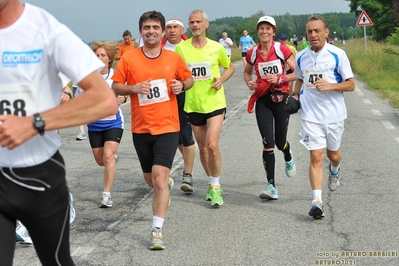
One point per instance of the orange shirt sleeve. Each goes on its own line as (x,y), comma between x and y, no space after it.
(120,74)
(183,72)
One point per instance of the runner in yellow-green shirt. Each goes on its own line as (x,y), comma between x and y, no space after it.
(206,102)
(283,38)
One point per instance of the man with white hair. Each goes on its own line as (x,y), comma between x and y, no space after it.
(206,102)
(174,34)
(227,43)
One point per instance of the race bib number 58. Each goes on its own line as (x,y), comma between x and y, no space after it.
(158,93)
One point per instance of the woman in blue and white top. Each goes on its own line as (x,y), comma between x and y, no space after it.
(106,133)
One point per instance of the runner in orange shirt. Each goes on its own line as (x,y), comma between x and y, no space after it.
(125,46)
(153,77)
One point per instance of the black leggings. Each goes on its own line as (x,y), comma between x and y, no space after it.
(37,196)
(272,121)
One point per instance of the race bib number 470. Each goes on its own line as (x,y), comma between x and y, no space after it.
(17,99)
(200,71)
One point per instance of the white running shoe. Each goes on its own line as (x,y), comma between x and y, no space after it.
(72,213)
(107,201)
(157,239)
(81,135)
(22,235)
(334,179)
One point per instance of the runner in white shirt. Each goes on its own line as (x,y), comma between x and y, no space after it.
(226,42)
(324,74)
(21,233)
(34,48)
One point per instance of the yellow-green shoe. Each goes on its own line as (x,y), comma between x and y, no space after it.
(216,196)
(171,183)
(208,193)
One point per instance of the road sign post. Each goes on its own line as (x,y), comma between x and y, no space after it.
(364,20)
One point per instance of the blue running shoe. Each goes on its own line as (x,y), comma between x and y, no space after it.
(269,193)
(317,210)
(187,185)
(290,168)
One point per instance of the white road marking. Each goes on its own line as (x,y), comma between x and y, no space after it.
(109,227)
(376,112)
(235,110)
(387,124)
(367,101)
(179,162)
(397,139)
(358,91)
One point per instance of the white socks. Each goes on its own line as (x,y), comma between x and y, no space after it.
(214,181)
(317,195)
(334,169)
(157,221)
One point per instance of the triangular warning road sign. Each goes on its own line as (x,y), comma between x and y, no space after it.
(364,20)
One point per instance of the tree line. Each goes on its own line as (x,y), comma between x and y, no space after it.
(343,24)
(383,13)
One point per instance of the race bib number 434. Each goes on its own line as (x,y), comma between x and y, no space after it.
(17,99)
(311,76)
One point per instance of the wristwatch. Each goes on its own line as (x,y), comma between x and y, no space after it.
(184,87)
(38,123)
(68,93)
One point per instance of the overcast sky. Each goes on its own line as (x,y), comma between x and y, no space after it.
(107,19)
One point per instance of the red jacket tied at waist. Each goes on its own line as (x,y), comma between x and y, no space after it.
(261,89)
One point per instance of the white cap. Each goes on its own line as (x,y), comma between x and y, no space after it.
(267,19)
(174,21)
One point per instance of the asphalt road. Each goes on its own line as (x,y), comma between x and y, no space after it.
(361,220)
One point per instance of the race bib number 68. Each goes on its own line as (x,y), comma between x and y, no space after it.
(17,99)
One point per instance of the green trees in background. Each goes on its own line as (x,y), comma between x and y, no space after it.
(383,13)
(343,24)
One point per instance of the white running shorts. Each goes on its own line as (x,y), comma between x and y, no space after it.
(319,136)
